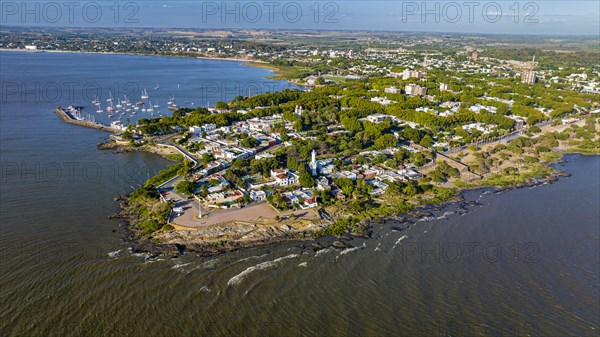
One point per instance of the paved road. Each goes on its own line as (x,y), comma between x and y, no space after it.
(189,217)
(190,206)
(501,140)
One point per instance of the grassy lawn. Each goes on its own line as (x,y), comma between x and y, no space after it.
(281,72)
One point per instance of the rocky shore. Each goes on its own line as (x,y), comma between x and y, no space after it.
(228,237)
(212,240)
(122,147)
(225,237)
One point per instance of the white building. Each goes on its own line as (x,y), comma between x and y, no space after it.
(258,195)
(264,155)
(393,90)
(382,100)
(198,130)
(304,198)
(284,177)
(415,90)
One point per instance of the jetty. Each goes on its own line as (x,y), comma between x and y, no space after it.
(68,118)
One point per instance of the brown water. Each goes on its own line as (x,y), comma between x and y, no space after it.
(524,262)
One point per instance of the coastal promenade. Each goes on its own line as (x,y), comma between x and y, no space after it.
(498,140)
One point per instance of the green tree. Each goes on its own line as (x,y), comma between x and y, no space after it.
(410,190)
(385,141)
(128,137)
(185,168)
(185,187)
(426,141)
(418,159)
(306,180)
(208,157)
(249,142)
(221,105)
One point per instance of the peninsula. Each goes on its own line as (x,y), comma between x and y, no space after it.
(373,133)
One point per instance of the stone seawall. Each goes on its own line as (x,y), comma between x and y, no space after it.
(69,119)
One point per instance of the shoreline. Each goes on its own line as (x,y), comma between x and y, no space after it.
(248,62)
(407,219)
(233,235)
(193,241)
(277,73)
(126,53)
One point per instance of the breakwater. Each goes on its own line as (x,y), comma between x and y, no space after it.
(67,118)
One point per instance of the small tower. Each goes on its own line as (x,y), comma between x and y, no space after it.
(425,67)
(528,73)
(313,163)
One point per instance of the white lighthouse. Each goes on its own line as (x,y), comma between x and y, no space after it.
(313,163)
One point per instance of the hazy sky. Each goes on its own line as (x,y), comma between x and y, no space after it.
(513,17)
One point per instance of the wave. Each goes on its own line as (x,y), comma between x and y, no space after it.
(210,264)
(400,239)
(180,265)
(251,258)
(237,279)
(324,251)
(350,250)
(115,253)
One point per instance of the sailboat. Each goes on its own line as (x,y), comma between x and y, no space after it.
(119,103)
(144,94)
(111,108)
(149,109)
(156,87)
(99,108)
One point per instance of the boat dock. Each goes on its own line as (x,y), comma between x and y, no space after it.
(66,117)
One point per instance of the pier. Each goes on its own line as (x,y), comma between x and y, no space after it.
(67,118)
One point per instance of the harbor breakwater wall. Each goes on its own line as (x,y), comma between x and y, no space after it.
(62,114)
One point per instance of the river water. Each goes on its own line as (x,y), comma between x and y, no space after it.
(523,262)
